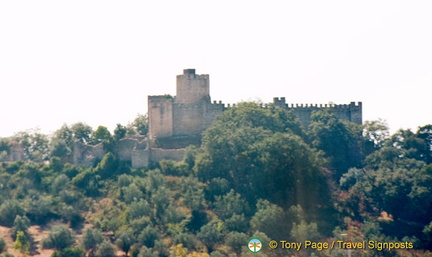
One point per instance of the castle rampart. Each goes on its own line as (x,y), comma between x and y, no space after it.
(178,121)
(351,112)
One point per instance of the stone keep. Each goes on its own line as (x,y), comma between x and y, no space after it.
(188,113)
(181,119)
(178,121)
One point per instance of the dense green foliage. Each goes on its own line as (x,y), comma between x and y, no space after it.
(259,173)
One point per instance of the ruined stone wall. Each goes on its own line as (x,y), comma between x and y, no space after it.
(87,155)
(158,154)
(140,158)
(160,114)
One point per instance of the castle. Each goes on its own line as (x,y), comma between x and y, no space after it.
(190,112)
(178,121)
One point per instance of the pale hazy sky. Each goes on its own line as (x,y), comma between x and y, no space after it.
(96,61)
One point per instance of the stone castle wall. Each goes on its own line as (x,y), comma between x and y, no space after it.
(351,112)
(178,121)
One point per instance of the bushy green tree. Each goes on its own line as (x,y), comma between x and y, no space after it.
(236,240)
(2,245)
(210,234)
(376,132)
(70,252)
(8,211)
(193,194)
(237,222)
(59,238)
(60,183)
(125,241)
(92,239)
(119,132)
(141,124)
(340,141)
(34,144)
(65,134)
(229,204)
(305,231)
(22,243)
(59,148)
(270,219)
(131,193)
(106,249)
(82,132)
(138,209)
(21,223)
(39,209)
(261,155)
(148,236)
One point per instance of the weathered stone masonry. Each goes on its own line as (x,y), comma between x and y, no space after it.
(178,121)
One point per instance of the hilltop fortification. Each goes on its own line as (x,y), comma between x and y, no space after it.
(178,121)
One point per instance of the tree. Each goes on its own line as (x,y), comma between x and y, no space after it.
(106,249)
(260,154)
(59,148)
(59,238)
(21,223)
(70,252)
(92,239)
(34,143)
(236,240)
(425,133)
(139,208)
(305,231)
(148,236)
(270,219)
(125,241)
(339,140)
(8,211)
(101,135)
(65,134)
(229,204)
(21,243)
(210,235)
(376,132)
(82,132)
(369,192)
(108,166)
(237,222)
(5,147)
(193,193)
(141,124)
(120,132)
(2,245)
(146,252)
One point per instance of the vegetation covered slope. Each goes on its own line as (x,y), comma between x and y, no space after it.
(259,174)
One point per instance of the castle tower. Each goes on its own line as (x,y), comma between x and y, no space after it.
(192,88)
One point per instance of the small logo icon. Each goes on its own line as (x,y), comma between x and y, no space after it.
(254,245)
(273,244)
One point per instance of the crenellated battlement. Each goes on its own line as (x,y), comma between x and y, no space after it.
(178,121)
(351,112)
(191,111)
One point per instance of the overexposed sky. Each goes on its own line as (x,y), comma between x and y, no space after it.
(96,61)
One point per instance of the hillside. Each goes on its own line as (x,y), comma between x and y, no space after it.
(258,174)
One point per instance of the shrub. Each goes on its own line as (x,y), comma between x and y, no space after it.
(59,238)
(106,249)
